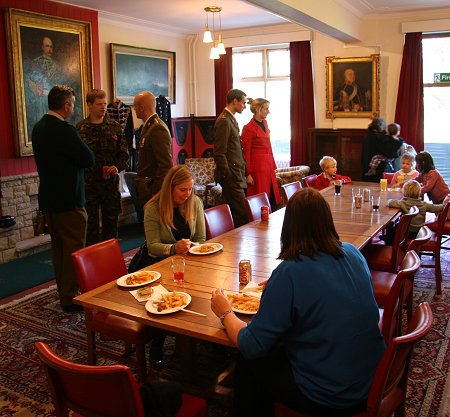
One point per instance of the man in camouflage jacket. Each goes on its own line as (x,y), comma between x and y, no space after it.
(105,138)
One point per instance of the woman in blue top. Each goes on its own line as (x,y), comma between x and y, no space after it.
(314,344)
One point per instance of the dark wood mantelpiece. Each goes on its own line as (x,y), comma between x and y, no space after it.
(345,145)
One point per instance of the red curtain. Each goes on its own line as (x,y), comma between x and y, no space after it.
(409,110)
(302,101)
(223,78)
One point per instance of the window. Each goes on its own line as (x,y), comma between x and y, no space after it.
(265,72)
(436,60)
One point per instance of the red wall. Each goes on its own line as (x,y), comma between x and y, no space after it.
(9,164)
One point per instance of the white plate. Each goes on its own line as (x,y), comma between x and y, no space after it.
(152,277)
(249,312)
(197,249)
(152,309)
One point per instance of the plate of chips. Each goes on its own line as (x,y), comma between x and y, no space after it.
(168,302)
(138,278)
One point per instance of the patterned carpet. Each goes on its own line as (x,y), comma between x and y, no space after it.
(37,316)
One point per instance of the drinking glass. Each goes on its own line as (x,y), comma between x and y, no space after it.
(375,199)
(337,187)
(355,192)
(178,266)
(383,184)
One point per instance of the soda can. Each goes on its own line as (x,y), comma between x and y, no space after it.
(245,271)
(366,195)
(358,200)
(264,213)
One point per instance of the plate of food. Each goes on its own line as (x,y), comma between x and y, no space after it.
(243,303)
(168,302)
(138,278)
(205,248)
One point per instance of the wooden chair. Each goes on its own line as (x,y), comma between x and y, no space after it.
(290,189)
(388,176)
(388,258)
(310,180)
(388,390)
(446,231)
(218,220)
(95,266)
(253,205)
(423,236)
(107,391)
(392,291)
(433,247)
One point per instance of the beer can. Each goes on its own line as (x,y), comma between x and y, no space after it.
(265,213)
(245,271)
(366,195)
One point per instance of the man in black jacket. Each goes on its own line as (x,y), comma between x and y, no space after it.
(61,157)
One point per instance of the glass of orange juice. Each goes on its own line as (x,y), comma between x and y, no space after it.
(383,184)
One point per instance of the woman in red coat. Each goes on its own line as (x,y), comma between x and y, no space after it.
(258,153)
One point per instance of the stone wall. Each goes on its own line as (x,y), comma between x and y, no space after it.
(19,199)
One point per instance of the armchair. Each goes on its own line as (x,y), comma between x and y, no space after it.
(204,185)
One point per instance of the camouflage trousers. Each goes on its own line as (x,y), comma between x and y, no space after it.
(102,203)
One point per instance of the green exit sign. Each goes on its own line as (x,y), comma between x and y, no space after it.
(442,77)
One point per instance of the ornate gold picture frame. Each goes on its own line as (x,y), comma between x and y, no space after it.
(137,69)
(353,86)
(44,51)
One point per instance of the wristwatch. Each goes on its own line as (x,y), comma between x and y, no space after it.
(222,317)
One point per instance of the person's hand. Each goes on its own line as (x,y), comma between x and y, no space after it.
(182,246)
(250,180)
(219,302)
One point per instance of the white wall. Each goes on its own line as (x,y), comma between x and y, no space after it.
(195,71)
(125,33)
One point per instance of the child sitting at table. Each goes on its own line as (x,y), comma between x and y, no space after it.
(406,173)
(328,176)
(433,184)
(411,193)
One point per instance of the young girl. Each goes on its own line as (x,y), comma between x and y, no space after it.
(327,177)
(406,173)
(431,180)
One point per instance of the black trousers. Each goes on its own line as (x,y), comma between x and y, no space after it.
(262,382)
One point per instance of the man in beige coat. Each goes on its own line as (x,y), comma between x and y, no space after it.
(229,158)
(155,152)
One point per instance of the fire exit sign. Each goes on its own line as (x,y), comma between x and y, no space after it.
(442,77)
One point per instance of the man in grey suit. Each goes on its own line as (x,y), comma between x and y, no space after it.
(155,151)
(229,158)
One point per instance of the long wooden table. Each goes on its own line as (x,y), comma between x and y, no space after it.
(257,241)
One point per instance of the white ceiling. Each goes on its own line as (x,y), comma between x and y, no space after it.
(187,16)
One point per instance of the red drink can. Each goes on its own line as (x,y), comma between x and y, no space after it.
(245,271)
(265,213)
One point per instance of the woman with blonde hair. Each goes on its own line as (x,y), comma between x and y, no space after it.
(173,218)
(258,153)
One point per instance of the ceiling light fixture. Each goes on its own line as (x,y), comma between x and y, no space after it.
(218,47)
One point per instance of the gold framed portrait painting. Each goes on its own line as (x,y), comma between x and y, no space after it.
(136,69)
(353,86)
(44,51)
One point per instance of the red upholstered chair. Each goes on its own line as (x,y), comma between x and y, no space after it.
(218,220)
(394,290)
(423,236)
(310,180)
(290,189)
(446,231)
(388,258)
(388,390)
(388,176)
(433,246)
(253,205)
(97,265)
(107,391)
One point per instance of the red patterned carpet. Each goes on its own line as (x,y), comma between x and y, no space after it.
(37,316)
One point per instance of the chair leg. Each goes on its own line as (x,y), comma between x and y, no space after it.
(438,273)
(141,361)
(92,353)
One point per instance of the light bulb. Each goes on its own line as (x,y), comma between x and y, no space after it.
(207,37)
(214,53)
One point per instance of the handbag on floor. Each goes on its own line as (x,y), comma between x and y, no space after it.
(141,259)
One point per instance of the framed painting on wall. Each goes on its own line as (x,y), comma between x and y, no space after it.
(44,51)
(353,86)
(137,69)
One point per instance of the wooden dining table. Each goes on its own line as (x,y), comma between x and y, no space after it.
(259,242)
